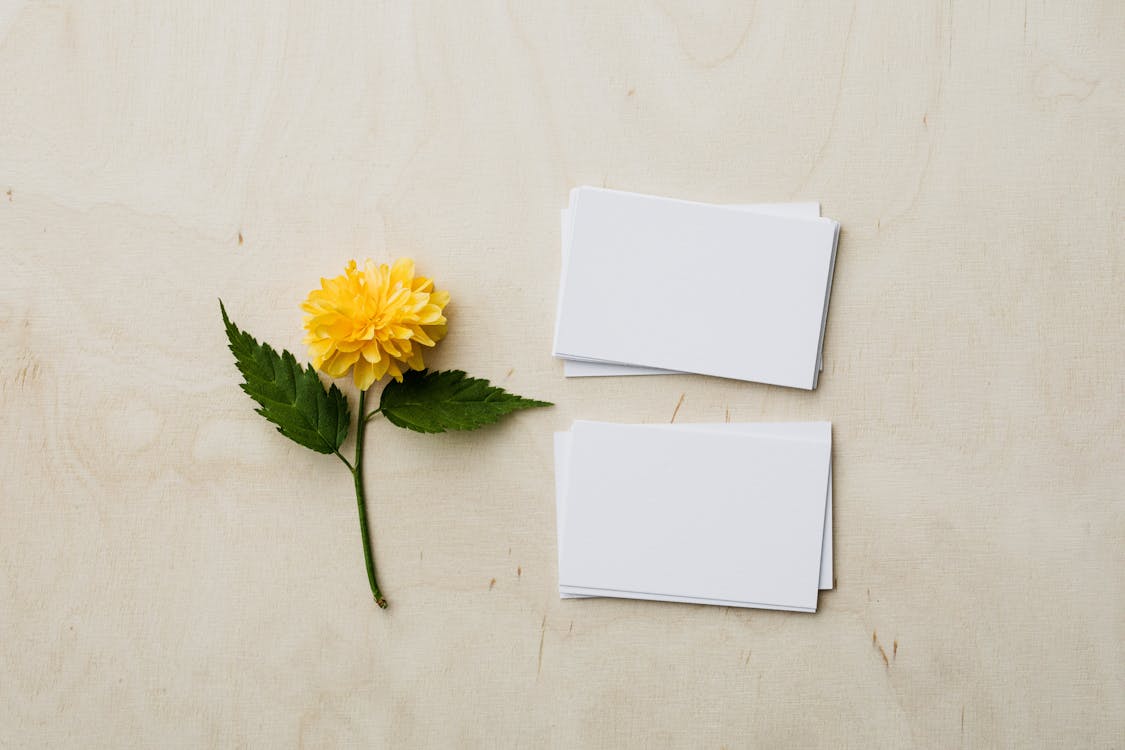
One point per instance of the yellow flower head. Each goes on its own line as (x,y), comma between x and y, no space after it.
(376,318)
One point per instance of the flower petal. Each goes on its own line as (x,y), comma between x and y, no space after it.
(364,374)
(338,363)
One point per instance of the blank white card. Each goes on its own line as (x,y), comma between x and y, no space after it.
(686,286)
(821,431)
(584,369)
(681,514)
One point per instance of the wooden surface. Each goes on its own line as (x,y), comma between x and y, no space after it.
(173,573)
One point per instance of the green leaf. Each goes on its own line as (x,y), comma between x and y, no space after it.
(292,398)
(450,400)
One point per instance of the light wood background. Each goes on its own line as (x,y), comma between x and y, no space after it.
(173,573)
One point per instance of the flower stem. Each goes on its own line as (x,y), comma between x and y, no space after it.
(361,503)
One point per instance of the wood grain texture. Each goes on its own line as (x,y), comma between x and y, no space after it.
(173,573)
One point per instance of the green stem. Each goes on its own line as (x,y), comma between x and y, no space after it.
(361,503)
(347,463)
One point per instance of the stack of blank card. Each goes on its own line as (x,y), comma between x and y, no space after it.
(729,514)
(651,285)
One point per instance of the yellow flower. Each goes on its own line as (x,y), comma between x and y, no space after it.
(377,318)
